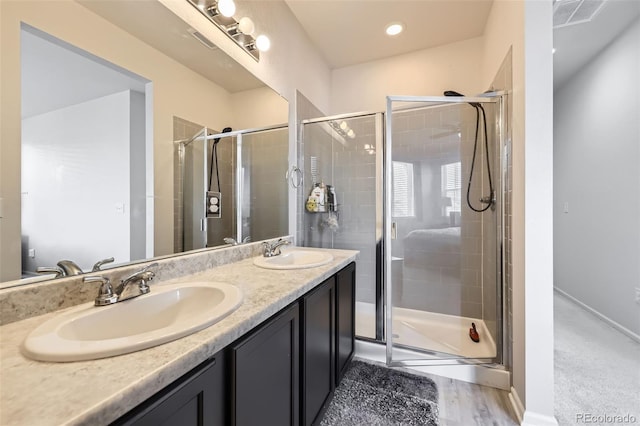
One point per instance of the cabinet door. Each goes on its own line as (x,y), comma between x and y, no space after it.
(196,399)
(345,318)
(265,383)
(318,349)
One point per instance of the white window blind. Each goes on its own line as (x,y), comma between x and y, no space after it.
(451,187)
(403,192)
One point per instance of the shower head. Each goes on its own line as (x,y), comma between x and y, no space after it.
(454,93)
(225,130)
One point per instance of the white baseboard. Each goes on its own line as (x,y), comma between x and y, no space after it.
(480,374)
(604,318)
(528,418)
(535,419)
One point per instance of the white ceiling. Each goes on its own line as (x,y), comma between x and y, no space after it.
(577,44)
(346,32)
(349,32)
(56,75)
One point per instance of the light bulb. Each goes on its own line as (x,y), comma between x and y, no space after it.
(343,125)
(351,133)
(227,7)
(263,43)
(246,26)
(394,28)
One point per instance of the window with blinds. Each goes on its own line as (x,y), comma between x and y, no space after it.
(451,187)
(403,192)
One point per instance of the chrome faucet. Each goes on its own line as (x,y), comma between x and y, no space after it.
(51,270)
(99,264)
(273,249)
(229,240)
(69,267)
(108,296)
(64,268)
(233,242)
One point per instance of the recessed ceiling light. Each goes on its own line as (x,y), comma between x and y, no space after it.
(394,28)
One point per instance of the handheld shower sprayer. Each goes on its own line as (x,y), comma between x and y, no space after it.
(490,199)
(214,159)
(225,130)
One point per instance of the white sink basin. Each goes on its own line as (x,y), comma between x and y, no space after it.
(168,313)
(294,259)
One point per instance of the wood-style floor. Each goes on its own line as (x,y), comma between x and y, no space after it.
(467,404)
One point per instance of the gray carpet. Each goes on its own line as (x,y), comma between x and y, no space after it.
(374,395)
(597,369)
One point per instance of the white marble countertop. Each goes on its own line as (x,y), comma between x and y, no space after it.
(100,391)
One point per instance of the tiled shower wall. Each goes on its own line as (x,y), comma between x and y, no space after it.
(344,163)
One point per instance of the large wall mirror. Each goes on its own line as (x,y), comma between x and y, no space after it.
(119,101)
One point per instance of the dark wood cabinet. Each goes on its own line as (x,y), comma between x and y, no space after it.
(318,348)
(283,372)
(345,319)
(196,399)
(265,373)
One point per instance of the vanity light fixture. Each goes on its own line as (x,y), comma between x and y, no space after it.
(394,28)
(246,26)
(220,13)
(227,8)
(263,43)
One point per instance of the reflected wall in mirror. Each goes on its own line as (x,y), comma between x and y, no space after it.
(84,159)
(172,75)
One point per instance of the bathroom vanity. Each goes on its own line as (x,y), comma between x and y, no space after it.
(275,360)
(282,372)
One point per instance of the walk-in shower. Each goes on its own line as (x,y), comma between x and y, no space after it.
(430,267)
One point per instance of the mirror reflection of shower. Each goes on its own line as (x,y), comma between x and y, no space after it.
(230,189)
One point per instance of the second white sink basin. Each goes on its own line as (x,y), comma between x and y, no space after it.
(294,259)
(168,313)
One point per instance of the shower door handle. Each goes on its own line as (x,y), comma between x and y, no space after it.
(394,231)
(292,175)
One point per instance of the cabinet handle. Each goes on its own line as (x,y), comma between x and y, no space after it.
(394,230)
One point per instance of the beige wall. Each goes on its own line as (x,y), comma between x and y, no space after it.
(177,91)
(428,72)
(292,63)
(257,108)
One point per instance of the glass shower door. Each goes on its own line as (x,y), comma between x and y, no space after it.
(442,258)
(194,177)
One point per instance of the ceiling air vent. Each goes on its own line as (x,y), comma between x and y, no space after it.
(571,12)
(202,39)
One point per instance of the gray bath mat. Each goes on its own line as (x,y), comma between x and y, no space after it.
(374,395)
